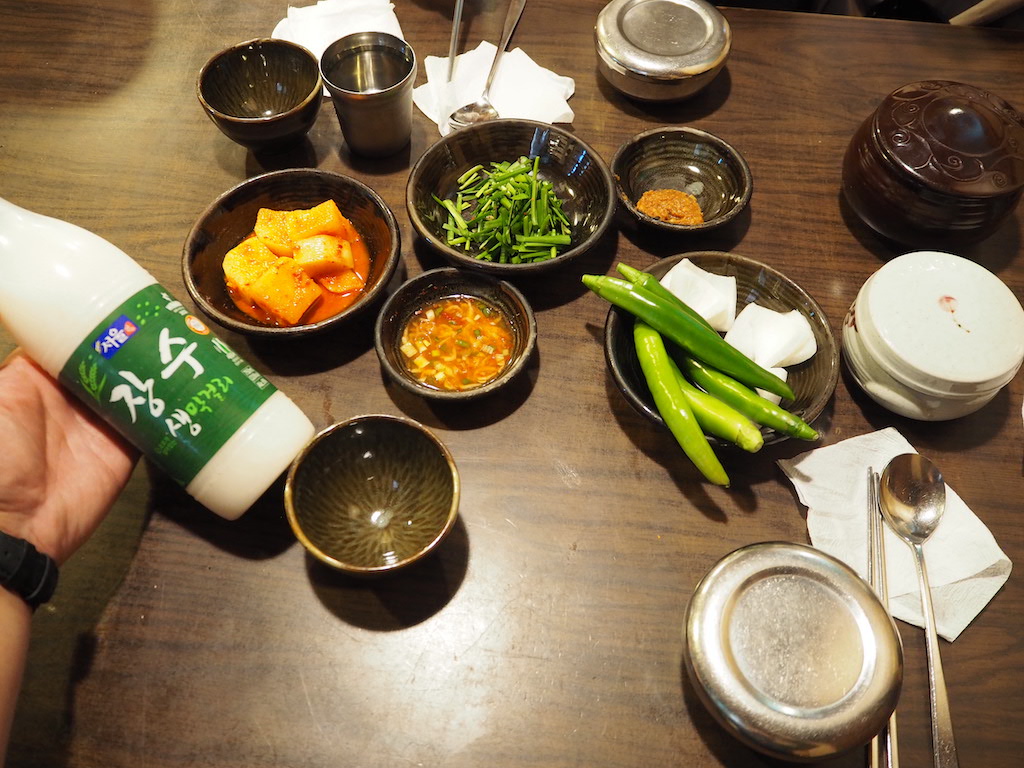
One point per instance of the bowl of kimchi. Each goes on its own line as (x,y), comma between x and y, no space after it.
(448,334)
(291,252)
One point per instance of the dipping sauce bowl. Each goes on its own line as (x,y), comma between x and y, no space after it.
(933,336)
(937,164)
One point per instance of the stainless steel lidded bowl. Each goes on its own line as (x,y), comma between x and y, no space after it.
(792,652)
(661,50)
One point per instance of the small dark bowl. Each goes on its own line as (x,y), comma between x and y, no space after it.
(688,160)
(437,284)
(230,219)
(262,93)
(813,381)
(937,164)
(372,494)
(580,178)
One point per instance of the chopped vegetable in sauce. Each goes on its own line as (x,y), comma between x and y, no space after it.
(457,343)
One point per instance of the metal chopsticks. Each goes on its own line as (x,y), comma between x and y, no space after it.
(884,748)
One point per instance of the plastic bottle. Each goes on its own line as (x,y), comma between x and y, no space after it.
(91,317)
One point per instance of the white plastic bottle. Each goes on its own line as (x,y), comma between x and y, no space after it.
(90,316)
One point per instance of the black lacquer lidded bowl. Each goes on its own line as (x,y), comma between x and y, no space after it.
(937,163)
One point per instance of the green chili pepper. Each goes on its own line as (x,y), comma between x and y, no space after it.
(718,418)
(747,401)
(673,405)
(697,339)
(653,284)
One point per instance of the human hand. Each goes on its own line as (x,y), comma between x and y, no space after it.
(62,467)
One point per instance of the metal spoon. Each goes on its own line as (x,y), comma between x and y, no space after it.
(913,498)
(482,110)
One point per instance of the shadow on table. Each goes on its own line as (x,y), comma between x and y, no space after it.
(64,631)
(728,750)
(995,252)
(398,600)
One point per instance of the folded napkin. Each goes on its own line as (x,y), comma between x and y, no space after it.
(317,26)
(521,88)
(965,565)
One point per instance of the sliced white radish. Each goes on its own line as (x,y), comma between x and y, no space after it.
(711,296)
(782,373)
(772,339)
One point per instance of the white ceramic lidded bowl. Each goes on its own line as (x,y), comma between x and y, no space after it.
(933,336)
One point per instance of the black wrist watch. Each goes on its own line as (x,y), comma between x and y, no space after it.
(26,571)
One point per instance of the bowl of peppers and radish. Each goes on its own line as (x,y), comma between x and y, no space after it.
(680,373)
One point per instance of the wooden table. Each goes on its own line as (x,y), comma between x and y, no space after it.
(546,632)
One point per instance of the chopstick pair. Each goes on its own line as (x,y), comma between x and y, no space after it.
(883,749)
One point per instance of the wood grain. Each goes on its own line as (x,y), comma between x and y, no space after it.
(547,630)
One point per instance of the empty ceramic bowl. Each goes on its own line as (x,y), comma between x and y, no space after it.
(231,217)
(813,381)
(937,164)
(685,160)
(261,93)
(372,494)
(579,176)
(463,346)
(661,50)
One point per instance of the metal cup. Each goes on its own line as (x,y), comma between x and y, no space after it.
(370,76)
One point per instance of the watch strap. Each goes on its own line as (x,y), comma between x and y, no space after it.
(26,571)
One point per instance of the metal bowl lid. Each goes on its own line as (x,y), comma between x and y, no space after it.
(952,137)
(941,324)
(792,652)
(662,39)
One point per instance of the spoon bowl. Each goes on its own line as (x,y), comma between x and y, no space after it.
(913,497)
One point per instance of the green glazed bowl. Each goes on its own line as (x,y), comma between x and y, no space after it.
(372,494)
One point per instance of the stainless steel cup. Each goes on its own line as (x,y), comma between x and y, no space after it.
(370,76)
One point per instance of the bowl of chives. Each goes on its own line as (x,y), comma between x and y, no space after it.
(510,197)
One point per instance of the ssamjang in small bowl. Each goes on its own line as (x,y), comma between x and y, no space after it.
(685,160)
(813,381)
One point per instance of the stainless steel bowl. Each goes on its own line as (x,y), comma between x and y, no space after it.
(792,652)
(661,50)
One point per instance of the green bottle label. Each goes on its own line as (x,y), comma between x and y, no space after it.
(160,377)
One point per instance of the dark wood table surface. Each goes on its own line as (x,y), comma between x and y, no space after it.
(546,631)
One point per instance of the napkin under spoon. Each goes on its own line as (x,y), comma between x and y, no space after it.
(482,110)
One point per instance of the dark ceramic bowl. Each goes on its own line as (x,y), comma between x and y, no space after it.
(687,160)
(435,285)
(813,381)
(230,218)
(936,165)
(261,93)
(580,178)
(372,494)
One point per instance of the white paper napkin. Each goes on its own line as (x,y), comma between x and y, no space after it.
(966,567)
(317,26)
(521,89)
